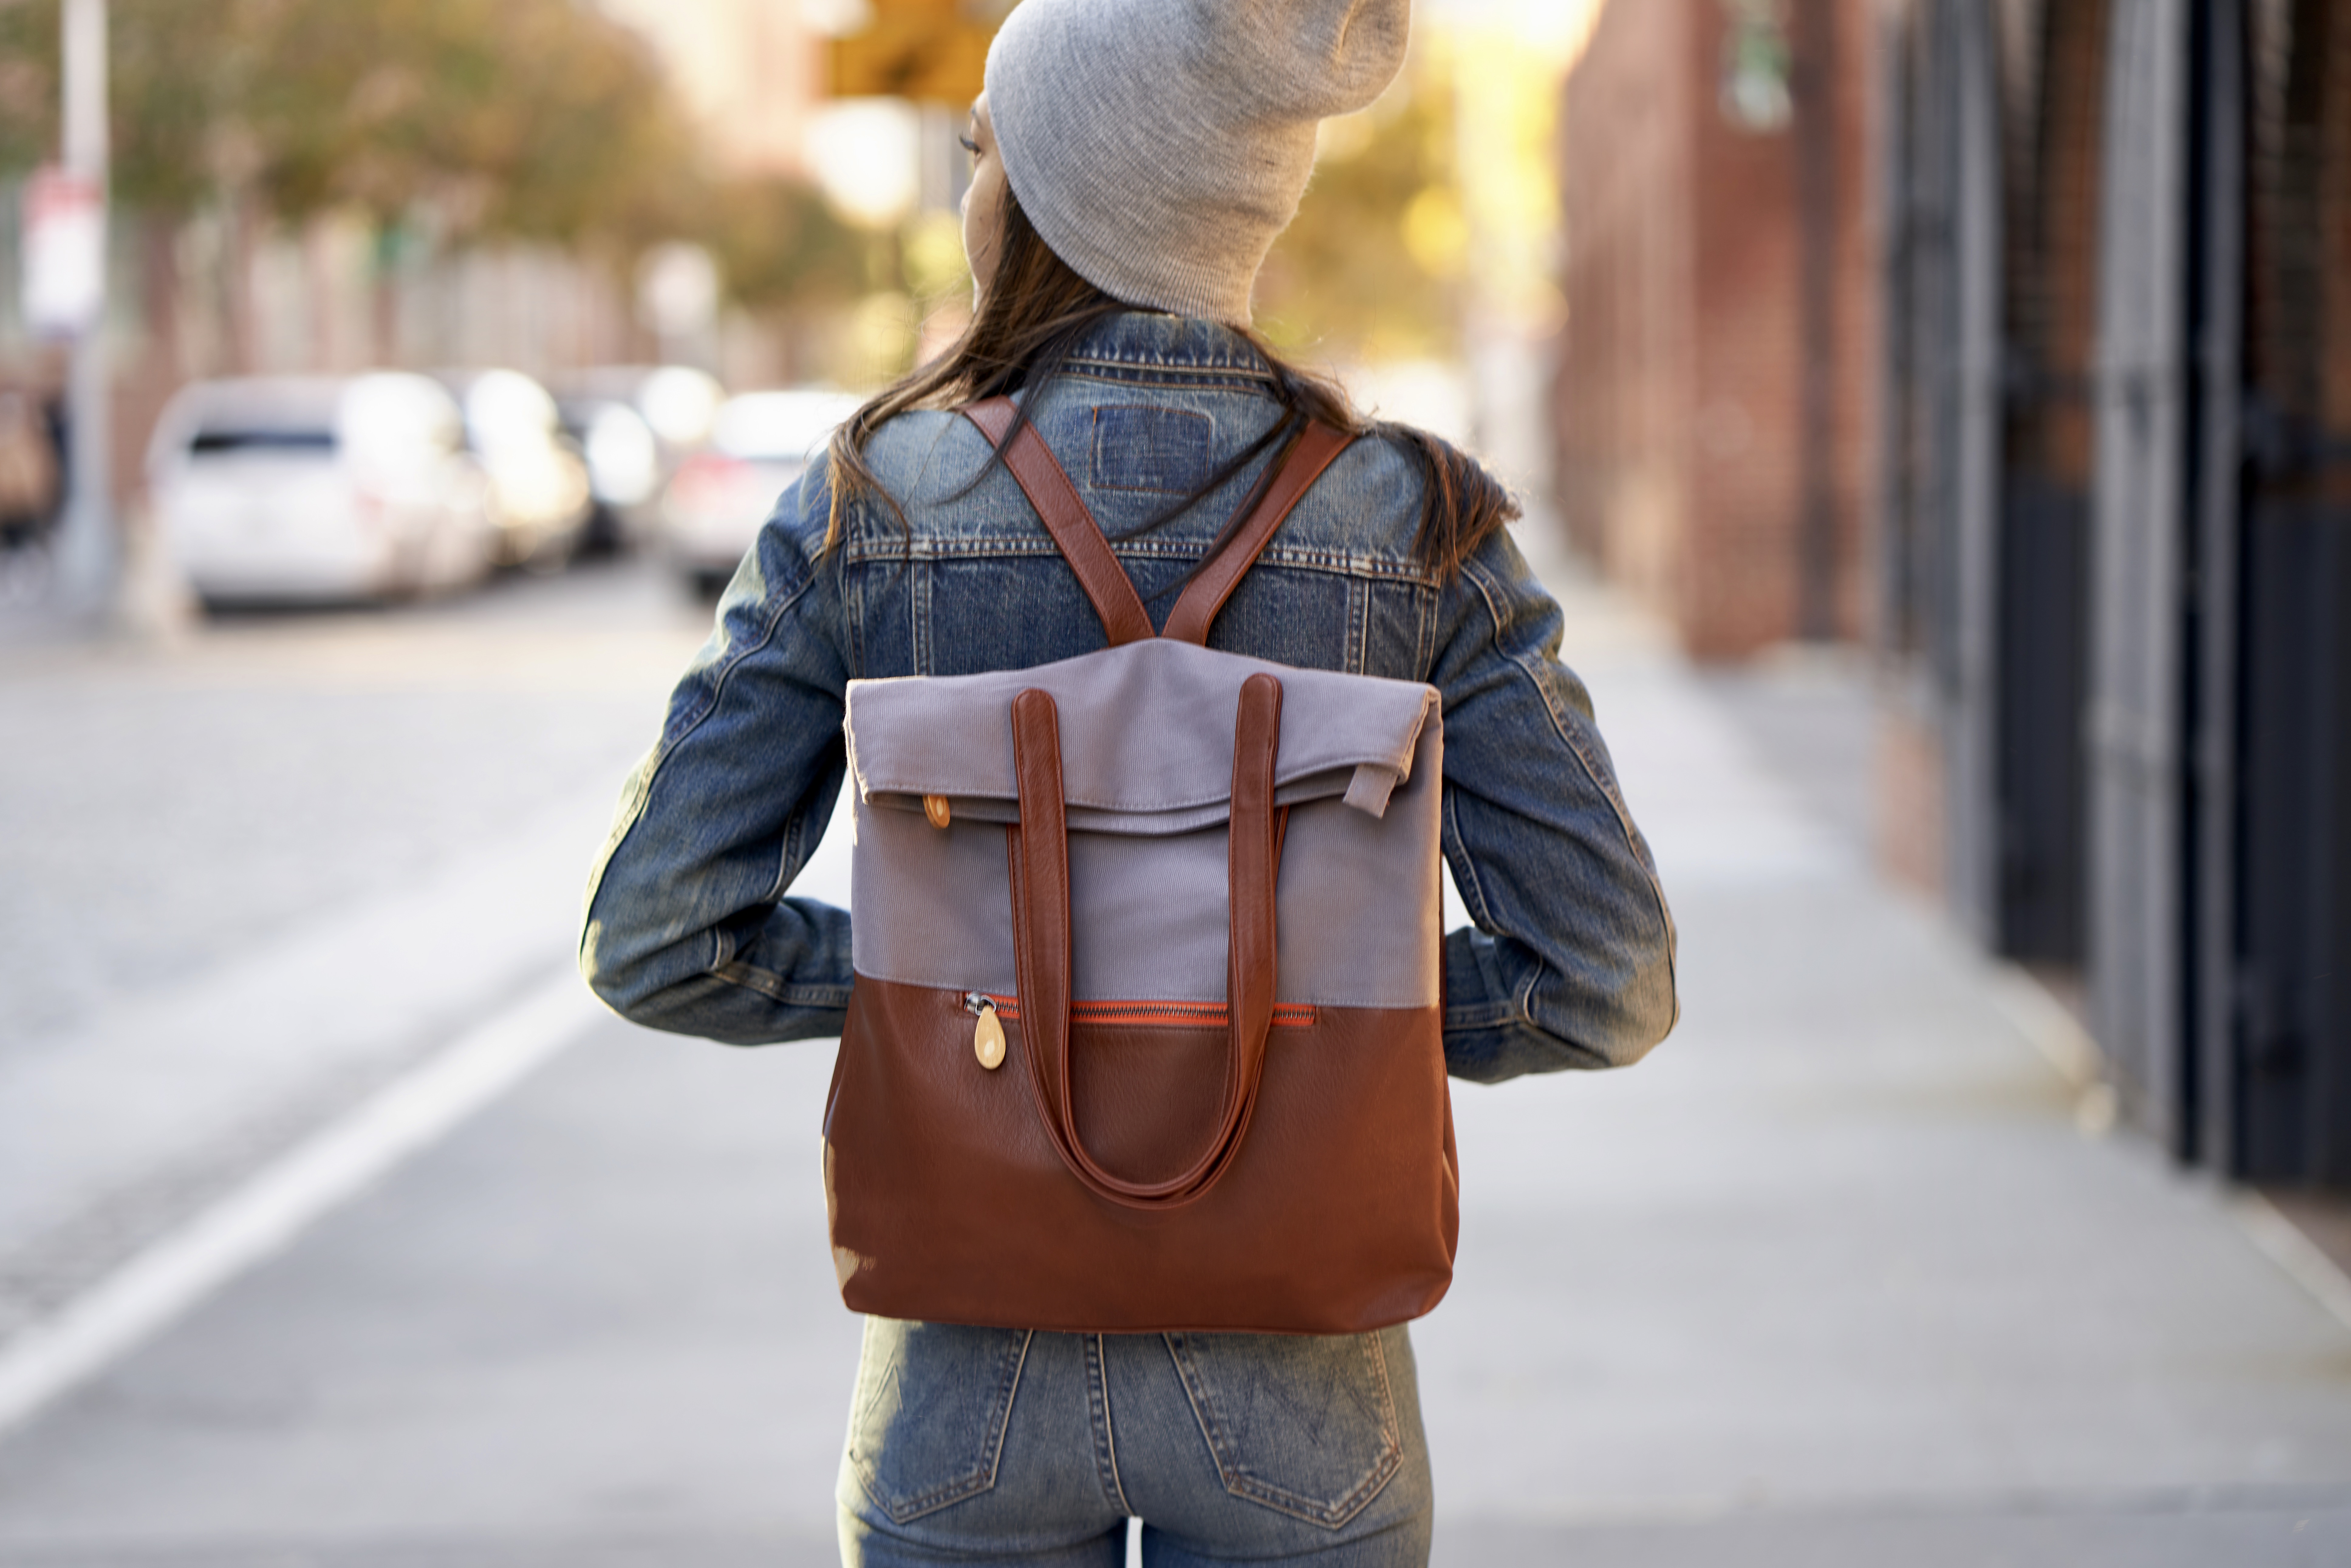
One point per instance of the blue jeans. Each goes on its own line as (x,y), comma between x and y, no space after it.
(970,1445)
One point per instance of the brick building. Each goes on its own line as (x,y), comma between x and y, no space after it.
(2117,594)
(1716,387)
(2016,335)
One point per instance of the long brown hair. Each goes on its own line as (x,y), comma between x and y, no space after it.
(1036,311)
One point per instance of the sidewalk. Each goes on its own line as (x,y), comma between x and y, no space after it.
(1834,1278)
(1836,1275)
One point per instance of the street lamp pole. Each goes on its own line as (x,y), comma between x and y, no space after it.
(87,553)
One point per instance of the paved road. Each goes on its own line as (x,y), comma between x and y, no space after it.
(1834,1278)
(248,876)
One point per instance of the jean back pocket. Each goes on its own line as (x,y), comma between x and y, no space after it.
(1301,1423)
(932,1404)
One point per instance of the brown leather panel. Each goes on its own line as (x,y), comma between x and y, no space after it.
(1339,1214)
(1195,608)
(1059,507)
(1149,1097)
(1038,851)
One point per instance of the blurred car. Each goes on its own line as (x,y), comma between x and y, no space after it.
(280,487)
(633,426)
(31,469)
(760,443)
(536,485)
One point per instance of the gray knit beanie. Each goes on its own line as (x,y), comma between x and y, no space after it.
(1159,146)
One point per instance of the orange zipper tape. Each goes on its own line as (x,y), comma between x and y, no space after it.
(1286,1015)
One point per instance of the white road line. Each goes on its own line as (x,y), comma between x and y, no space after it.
(279,1202)
(2042,1019)
(2293,1251)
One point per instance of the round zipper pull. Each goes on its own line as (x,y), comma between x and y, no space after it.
(987,1036)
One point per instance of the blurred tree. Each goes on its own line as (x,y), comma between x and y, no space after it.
(533,118)
(780,247)
(466,118)
(1371,267)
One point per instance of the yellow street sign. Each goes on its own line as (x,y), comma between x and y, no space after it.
(929,50)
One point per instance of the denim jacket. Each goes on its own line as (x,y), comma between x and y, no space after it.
(689,927)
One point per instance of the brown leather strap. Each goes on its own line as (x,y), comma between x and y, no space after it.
(1074,530)
(1037,847)
(1303,464)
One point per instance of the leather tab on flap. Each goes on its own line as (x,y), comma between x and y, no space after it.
(1369,790)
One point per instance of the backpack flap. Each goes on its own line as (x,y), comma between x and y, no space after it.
(1146,738)
(1147,752)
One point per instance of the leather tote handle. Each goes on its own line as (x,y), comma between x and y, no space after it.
(1040,853)
(1315,449)
(1080,538)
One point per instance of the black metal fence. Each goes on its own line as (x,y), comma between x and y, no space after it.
(2118,528)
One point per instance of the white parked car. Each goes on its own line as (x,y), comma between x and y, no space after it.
(633,424)
(283,487)
(538,485)
(718,498)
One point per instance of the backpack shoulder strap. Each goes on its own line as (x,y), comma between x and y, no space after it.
(1195,610)
(1064,514)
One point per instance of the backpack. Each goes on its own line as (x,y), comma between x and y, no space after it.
(1145,1032)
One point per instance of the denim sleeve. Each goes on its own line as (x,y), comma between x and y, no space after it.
(687,928)
(1572,962)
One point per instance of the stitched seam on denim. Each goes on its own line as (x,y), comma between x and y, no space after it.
(1392,1456)
(938,439)
(624,822)
(1236,384)
(1032,545)
(751,978)
(852,610)
(725,673)
(798,829)
(1376,1353)
(861,1396)
(1097,1372)
(1565,730)
(918,620)
(1202,1411)
(982,1476)
(1003,1425)
(1481,910)
(1488,1014)
(1624,819)
(1359,610)
(1242,1484)
(1252,367)
(1096,479)
(1334,1515)
(795,827)
(1114,357)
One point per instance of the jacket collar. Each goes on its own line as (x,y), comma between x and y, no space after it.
(1147,339)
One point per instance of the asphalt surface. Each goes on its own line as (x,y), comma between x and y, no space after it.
(1836,1277)
(250,872)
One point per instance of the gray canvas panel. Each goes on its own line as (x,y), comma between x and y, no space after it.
(1358,902)
(1146,728)
(1366,786)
